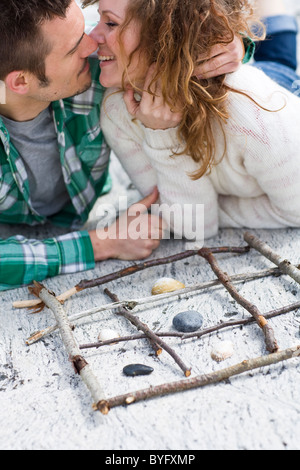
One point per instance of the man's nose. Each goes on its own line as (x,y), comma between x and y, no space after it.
(90,45)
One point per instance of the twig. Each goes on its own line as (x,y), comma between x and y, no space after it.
(37,306)
(84,284)
(271,343)
(196,334)
(149,333)
(200,381)
(131,304)
(284,265)
(156,262)
(80,365)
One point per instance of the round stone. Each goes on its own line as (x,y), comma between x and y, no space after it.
(188,321)
(133,370)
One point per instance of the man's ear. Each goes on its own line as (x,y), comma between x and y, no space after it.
(17,82)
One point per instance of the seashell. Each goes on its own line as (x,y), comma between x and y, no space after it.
(106,334)
(222,351)
(166,284)
(188,321)
(137,369)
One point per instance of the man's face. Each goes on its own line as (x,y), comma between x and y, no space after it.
(67,68)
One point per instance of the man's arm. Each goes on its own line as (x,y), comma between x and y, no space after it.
(23,260)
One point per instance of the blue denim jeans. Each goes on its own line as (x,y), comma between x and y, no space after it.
(277,55)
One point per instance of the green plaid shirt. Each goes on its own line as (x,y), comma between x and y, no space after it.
(84,158)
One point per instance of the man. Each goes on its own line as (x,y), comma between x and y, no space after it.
(53,159)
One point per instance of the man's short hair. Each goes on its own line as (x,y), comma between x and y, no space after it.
(86,3)
(22,45)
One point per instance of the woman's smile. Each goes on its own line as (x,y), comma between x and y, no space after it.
(106,60)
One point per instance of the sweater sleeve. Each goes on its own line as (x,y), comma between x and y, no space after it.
(24,260)
(189,208)
(271,158)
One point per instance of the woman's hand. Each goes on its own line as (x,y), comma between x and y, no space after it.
(151,110)
(223,59)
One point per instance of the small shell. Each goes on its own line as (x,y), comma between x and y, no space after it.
(222,351)
(106,334)
(166,284)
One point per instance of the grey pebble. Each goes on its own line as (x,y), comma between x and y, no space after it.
(188,321)
(137,369)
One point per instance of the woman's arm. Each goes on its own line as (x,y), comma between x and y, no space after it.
(264,146)
(146,155)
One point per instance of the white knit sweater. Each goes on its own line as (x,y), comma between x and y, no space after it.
(257,183)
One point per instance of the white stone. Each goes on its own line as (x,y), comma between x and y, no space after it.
(106,334)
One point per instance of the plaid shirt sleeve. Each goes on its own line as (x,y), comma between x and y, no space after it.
(23,261)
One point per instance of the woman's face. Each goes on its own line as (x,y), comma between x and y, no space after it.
(106,33)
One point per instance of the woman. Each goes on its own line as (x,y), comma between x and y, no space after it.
(229,143)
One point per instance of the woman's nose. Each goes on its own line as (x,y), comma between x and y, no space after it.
(97,35)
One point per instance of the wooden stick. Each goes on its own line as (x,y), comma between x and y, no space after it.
(131,304)
(200,381)
(271,343)
(156,262)
(80,365)
(149,333)
(84,284)
(196,334)
(37,306)
(284,265)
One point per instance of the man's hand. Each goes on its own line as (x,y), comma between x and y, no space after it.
(133,236)
(223,59)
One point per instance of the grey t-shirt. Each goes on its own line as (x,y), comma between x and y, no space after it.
(36,142)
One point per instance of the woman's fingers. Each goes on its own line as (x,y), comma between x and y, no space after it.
(151,109)
(132,104)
